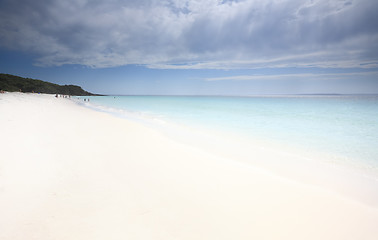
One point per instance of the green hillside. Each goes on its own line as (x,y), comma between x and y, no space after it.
(13,83)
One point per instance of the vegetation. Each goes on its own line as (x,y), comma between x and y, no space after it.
(13,83)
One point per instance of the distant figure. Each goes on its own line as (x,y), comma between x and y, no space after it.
(56,95)
(88,99)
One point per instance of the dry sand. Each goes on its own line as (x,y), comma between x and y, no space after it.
(67,172)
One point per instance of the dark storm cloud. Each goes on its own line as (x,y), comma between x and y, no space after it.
(194,34)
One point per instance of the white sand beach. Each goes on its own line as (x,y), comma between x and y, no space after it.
(68,172)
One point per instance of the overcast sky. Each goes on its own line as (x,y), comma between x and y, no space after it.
(227,47)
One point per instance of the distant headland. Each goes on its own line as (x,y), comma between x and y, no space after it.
(12,83)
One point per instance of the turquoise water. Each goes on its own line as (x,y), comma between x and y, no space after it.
(344,126)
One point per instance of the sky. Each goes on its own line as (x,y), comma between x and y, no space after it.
(194,47)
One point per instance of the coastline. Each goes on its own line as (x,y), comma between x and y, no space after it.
(68,172)
(350,177)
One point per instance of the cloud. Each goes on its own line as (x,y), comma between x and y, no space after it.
(308,76)
(194,34)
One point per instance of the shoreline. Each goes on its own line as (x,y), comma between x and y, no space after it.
(68,172)
(348,177)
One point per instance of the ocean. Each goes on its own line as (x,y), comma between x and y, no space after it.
(344,127)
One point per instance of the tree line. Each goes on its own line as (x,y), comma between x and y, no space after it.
(12,83)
